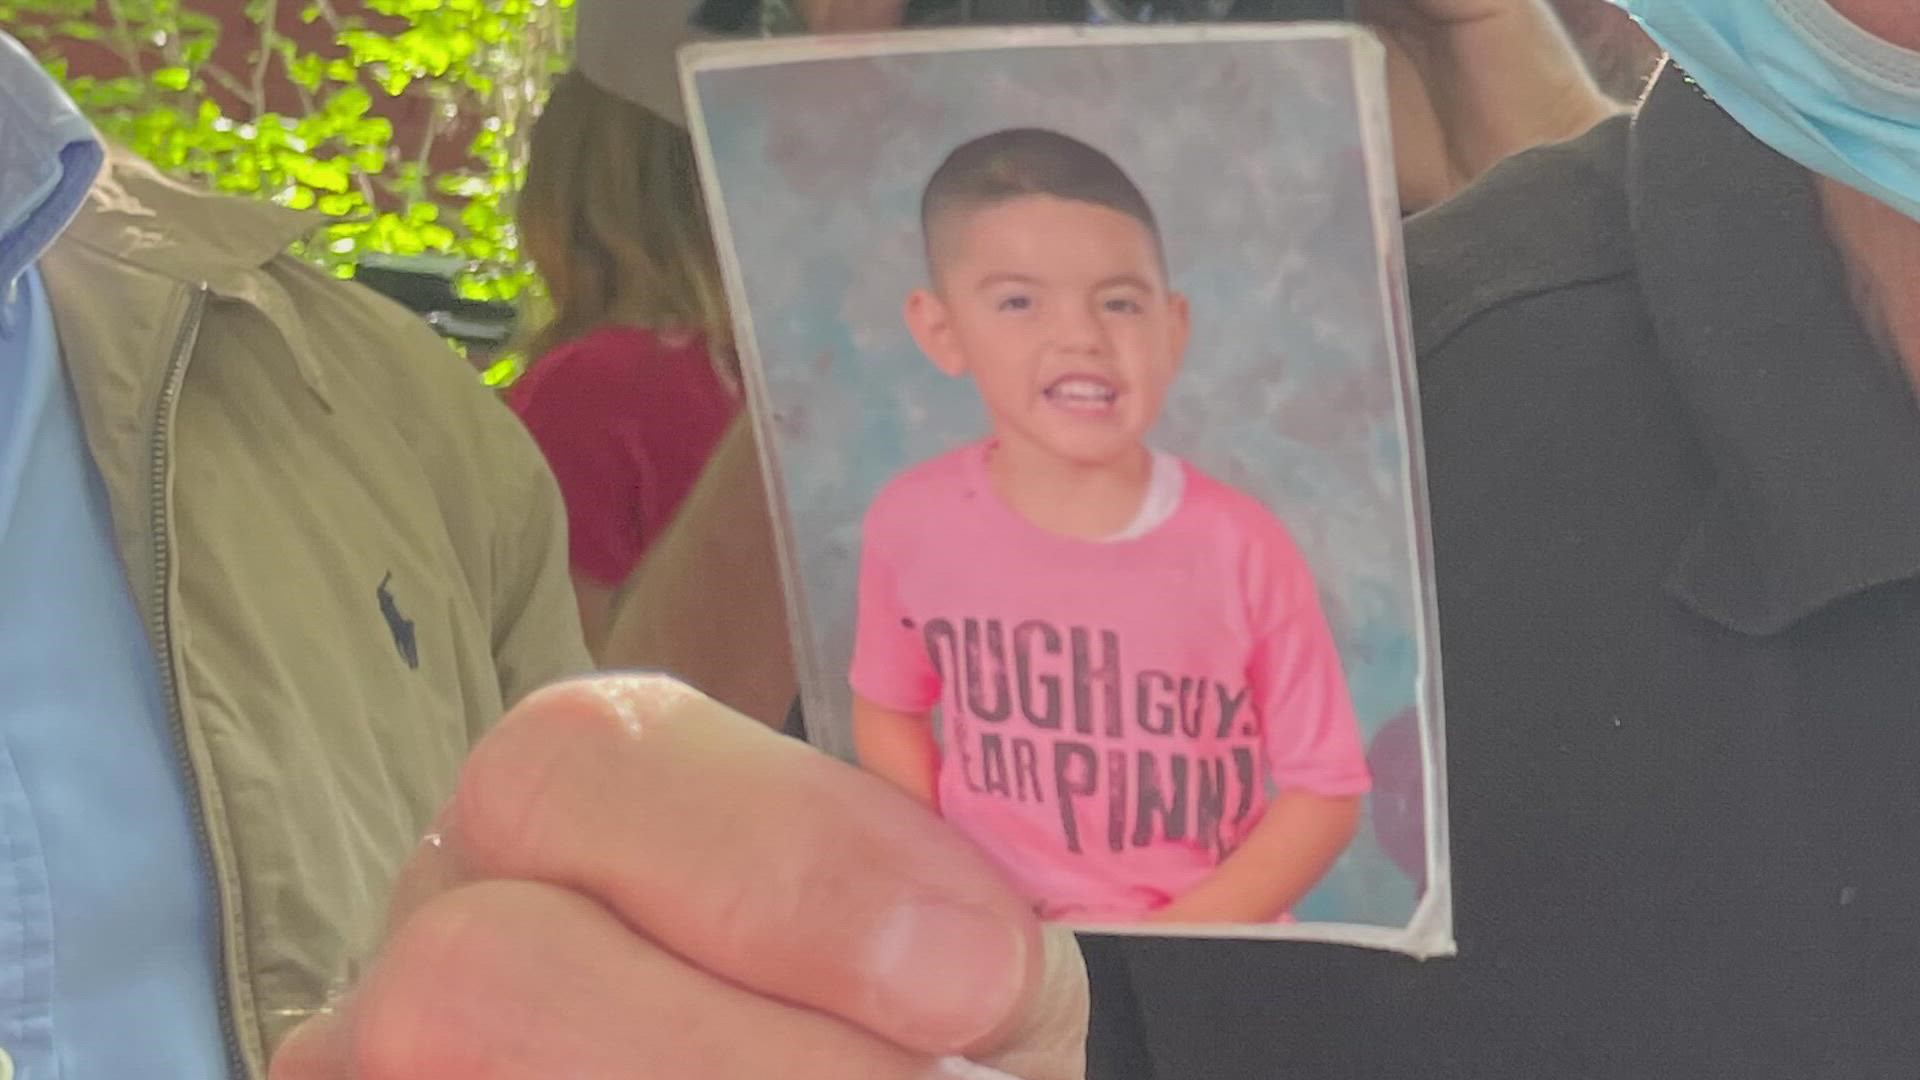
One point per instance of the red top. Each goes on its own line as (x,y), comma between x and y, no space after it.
(627,422)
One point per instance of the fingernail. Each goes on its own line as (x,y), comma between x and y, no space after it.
(954,1068)
(945,976)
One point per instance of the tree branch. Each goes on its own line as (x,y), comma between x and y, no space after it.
(263,56)
(129,45)
(233,86)
(424,157)
(327,13)
(367,191)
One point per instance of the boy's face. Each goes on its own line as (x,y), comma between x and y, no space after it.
(1060,313)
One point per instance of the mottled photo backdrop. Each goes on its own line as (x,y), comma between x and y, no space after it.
(1263,154)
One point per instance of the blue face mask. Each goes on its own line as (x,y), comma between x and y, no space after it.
(1806,81)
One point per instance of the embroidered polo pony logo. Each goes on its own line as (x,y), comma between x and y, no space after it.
(402,627)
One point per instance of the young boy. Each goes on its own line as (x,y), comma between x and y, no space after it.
(1142,713)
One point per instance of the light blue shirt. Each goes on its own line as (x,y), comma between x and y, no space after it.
(108,956)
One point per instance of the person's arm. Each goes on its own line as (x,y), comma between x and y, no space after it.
(1311,741)
(898,747)
(595,602)
(536,629)
(1285,856)
(706,601)
(1472,82)
(498,495)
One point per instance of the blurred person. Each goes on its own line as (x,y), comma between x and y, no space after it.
(1671,382)
(706,602)
(635,377)
(271,559)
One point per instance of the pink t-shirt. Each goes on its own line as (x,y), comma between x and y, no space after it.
(1114,715)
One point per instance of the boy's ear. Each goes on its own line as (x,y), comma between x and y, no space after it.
(931,325)
(1181,318)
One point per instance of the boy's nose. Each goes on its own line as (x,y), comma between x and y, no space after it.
(1080,328)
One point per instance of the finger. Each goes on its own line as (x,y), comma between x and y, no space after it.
(754,857)
(1050,1042)
(431,870)
(506,980)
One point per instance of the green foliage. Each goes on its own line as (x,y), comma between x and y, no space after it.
(481,66)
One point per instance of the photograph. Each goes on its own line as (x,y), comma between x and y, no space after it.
(1078,365)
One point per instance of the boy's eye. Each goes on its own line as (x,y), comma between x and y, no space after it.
(1015,303)
(1123,305)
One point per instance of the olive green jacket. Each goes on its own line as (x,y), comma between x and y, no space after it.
(349,557)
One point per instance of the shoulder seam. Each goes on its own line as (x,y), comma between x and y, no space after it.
(1460,322)
(1546,220)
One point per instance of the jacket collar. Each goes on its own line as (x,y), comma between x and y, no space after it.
(137,216)
(1812,429)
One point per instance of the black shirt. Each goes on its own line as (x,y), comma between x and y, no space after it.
(1676,507)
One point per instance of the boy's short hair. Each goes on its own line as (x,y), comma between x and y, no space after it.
(1020,162)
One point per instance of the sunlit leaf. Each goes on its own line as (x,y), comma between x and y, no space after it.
(197,51)
(500,373)
(199,117)
(348,102)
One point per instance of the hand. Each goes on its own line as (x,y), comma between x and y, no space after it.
(1296,842)
(899,748)
(1471,82)
(632,883)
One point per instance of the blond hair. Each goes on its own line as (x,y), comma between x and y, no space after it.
(612,216)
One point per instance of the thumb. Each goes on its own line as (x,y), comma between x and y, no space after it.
(1049,1041)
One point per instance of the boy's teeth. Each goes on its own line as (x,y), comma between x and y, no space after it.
(1082,390)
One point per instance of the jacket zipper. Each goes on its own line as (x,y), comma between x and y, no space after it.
(161,635)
